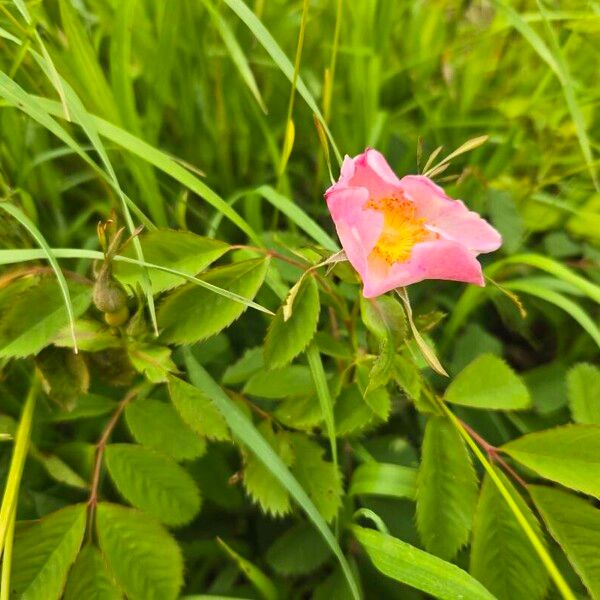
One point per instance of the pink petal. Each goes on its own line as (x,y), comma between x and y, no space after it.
(438,259)
(450,218)
(368,170)
(358,229)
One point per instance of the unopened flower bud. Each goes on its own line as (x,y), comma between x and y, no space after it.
(109,295)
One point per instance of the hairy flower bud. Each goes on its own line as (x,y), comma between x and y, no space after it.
(109,295)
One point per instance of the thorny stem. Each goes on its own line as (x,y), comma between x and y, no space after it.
(493,454)
(100,447)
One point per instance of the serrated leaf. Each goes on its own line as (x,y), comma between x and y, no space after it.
(30,317)
(144,558)
(502,556)
(300,550)
(417,568)
(583,383)
(59,470)
(287,338)
(575,524)
(180,250)
(321,480)
(239,372)
(377,398)
(151,360)
(87,406)
(257,578)
(352,414)
(193,313)
(92,336)
(45,551)
(89,578)
(64,375)
(293,380)
(488,382)
(154,483)
(384,479)
(300,412)
(446,490)
(198,411)
(157,425)
(569,455)
(260,483)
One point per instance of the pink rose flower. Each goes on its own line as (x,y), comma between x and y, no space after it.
(400,231)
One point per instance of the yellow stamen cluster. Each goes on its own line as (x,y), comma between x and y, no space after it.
(401,229)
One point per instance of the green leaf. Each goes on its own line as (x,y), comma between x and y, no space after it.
(87,406)
(192,313)
(584,393)
(89,578)
(293,380)
(180,250)
(384,479)
(144,558)
(286,339)
(575,524)
(488,382)
(257,578)
(506,219)
(262,486)
(384,318)
(300,550)
(502,556)
(244,429)
(239,372)
(44,552)
(154,483)
(446,490)
(30,318)
(197,410)
(151,360)
(92,336)
(157,425)
(321,479)
(417,568)
(58,469)
(569,455)
(352,414)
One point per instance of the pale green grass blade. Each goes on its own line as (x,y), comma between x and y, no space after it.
(28,224)
(268,42)
(18,255)
(570,307)
(165,163)
(320,380)
(298,216)
(246,432)
(237,55)
(558,66)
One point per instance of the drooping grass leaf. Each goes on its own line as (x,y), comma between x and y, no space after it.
(243,428)
(153,483)
(446,490)
(384,479)
(417,568)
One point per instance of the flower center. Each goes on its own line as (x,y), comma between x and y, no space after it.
(401,229)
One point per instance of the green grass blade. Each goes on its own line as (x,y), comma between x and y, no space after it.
(165,163)
(320,380)
(237,55)
(570,307)
(556,62)
(28,224)
(245,431)
(15,256)
(293,212)
(268,42)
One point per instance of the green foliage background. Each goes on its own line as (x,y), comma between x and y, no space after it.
(281,437)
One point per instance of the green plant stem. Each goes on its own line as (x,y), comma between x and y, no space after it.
(7,560)
(537,544)
(13,482)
